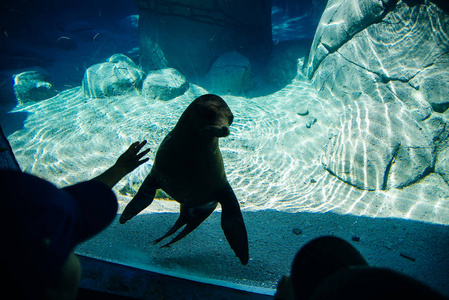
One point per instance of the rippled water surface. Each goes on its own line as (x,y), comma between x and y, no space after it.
(273,157)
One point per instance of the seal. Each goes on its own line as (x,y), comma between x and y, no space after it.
(189,167)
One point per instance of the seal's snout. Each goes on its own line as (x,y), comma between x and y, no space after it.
(214,131)
(224,131)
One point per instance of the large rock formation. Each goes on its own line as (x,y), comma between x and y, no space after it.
(380,147)
(117,76)
(286,60)
(31,86)
(386,64)
(229,74)
(164,84)
(189,35)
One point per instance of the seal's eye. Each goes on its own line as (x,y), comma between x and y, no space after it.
(211,114)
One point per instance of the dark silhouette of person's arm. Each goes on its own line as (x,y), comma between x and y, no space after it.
(125,164)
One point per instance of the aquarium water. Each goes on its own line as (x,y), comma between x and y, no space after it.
(340,123)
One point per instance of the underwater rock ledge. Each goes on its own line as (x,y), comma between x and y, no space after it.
(385,65)
(368,155)
(117,76)
(164,84)
(201,31)
(33,86)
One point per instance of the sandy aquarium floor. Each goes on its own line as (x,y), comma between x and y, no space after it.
(273,160)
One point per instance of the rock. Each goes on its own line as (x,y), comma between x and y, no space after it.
(311,121)
(190,35)
(230,74)
(442,164)
(352,54)
(433,82)
(297,231)
(164,84)
(440,130)
(303,112)
(129,22)
(120,58)
(381,146)
(438,126)
(32,86)
(355,238)
(153,56)
(127,190)
(283,63)
(340,21)
(385,93)
(407,256)
(118,76)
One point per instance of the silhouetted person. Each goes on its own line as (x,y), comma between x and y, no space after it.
(41,225)
(331,268)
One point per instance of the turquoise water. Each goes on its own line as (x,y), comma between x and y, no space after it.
(272,159)
(305,154)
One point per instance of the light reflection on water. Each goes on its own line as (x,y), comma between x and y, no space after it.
(273,160)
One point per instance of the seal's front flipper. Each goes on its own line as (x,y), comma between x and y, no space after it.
(144,197)
(233,224)
(190,216)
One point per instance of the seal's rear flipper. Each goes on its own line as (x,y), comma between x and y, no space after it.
(144,198)
(233,224)
(179,223)
(192,217)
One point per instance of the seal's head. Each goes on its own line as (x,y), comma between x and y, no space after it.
(209,116)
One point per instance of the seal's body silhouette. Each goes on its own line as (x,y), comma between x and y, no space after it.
(189,167)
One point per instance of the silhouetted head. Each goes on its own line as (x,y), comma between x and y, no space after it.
(318,259)
(330,268)
(42,225)
(208,116)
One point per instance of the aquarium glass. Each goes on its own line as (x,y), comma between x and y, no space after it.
(340,124)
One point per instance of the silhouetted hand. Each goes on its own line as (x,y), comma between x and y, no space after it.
(127,162)
(130,159)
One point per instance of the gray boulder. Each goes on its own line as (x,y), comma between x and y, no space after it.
(380,146)
(32,86)
(433,82)
(341,20)
(439,128)
(286,61)
(230,74)
(442,164)
(403,58)
(189,35)
(164,84)
(117,76)
(385,65)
